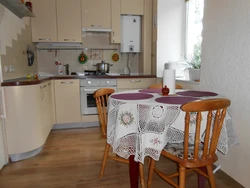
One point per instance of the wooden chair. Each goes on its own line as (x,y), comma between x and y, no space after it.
(192,156)
(101,96)
(159,86)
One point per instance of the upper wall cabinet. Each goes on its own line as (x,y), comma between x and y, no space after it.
(96,14)
(56,21)
(44,24)
(134,7)
(69,20)
(115,21)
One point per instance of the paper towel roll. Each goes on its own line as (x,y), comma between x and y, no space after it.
(169,80)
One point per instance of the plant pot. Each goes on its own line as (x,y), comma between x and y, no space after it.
(194,74)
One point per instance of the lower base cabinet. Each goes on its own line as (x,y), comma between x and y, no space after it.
(67,101)
(124,84)
(29,116)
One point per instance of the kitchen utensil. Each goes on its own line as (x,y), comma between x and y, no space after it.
(60,69)
(31,56)
(67,69)
(82,58)
(56,62)
(103,67)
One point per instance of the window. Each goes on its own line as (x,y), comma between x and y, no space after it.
(194,26)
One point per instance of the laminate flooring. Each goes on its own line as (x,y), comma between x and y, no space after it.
(71,158)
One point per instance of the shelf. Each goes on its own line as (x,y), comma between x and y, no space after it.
(17,8)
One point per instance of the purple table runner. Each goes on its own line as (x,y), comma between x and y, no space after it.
(175,100)
(192,93)
(132,96)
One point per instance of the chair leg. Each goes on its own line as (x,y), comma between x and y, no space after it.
(182,176)
(150,172)
(141,171)
(211,176)
(104,160)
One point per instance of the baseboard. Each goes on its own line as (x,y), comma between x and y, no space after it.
(76,125)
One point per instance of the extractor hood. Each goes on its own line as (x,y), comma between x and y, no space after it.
(96,29)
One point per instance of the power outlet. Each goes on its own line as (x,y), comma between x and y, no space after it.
(11,68)
(6,68)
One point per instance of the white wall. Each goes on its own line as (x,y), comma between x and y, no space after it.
(10,28)
(170,32)
(226,70)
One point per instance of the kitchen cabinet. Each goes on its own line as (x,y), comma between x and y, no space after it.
(69,20)
(25,128)
(115,21)
(134,7)
(146,67)
(124,84)
(67,101)
(47,106)
(96,14)
(154,37)
(44,25)
(56,21)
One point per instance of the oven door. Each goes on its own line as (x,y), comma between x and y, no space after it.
(88,104)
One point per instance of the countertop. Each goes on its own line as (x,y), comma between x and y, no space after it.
(24,81)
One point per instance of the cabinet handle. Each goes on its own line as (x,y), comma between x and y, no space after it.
(66,82)
(44,39)
(44,86)
(41,89)
(49,84)
(135,81)
(69,39)
(96,25)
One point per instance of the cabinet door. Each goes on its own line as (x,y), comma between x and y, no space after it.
(47,105)
(46,100)
(134,7)
(67,98)
(96,14)
(134,83)
(116,21)
(154,38)
(43,26)
(154,31)
(69,20)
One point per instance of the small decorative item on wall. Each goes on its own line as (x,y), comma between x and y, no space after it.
(82,58)
(115,57)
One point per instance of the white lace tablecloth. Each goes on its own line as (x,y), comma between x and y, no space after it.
(143,127)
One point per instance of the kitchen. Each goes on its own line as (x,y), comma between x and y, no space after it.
(6,38)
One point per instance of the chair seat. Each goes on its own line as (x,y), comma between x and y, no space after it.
(177,149)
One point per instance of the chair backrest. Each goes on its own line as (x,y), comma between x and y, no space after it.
(101,98)
(159,86)
(216,111)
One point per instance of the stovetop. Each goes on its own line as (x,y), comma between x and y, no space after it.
(90,73)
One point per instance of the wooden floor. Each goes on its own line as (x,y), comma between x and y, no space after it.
(72,158)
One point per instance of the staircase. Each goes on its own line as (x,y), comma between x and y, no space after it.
(10,26)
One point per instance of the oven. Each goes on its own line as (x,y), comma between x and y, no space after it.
(87,88)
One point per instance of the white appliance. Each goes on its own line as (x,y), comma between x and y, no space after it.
(87,88)
(130,34)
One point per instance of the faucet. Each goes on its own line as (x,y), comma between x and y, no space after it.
(67,69)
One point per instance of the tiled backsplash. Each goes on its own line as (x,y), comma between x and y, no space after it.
(98,47)
(46,61)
